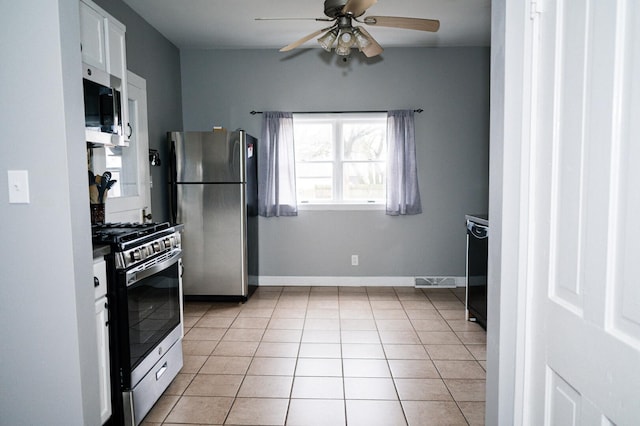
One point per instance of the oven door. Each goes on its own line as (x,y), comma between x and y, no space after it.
(150,315)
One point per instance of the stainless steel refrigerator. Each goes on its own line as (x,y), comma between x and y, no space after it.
(213,191)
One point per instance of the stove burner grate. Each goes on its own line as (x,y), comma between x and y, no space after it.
(116,233)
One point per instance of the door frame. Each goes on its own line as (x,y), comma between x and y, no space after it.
(129,209)
(513,30)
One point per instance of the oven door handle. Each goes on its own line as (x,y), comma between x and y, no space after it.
(133,277)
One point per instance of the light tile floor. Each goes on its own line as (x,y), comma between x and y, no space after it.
(329,356)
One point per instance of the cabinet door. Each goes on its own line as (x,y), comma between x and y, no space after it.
(117,67)
(102,333)
(99,278)
(92,30)
(116,64)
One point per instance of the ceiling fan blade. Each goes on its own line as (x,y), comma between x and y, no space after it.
(405,23)
(294,19)
(357,7)
(304,39)
(373,49)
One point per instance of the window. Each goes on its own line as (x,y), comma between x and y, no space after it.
(340,158)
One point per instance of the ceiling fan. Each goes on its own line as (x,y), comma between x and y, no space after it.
(343,13)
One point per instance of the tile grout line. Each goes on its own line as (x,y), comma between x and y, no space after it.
(293,380)
(341,341)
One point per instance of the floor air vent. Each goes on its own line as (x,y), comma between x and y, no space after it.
(435,282)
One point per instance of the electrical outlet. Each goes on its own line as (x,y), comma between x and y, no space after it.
(354,260)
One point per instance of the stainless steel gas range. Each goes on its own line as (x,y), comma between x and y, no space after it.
(144,290)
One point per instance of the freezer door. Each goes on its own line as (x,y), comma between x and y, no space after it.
(214,239)
(217,156)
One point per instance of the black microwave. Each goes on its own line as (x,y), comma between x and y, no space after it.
(102,114)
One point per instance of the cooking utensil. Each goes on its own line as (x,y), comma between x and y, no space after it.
(104,185)
(101,189)
(106,191)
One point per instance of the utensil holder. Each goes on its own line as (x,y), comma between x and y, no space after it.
(97,213)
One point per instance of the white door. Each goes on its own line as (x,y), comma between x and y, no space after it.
(130,197)
(583,334)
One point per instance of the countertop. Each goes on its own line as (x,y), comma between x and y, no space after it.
(101,250)
(481,219)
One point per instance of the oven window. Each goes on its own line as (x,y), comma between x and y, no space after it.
(154,311)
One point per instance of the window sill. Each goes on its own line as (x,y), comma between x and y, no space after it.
(341,207)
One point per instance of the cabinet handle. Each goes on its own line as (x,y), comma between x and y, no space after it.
(130,130)
(96,282)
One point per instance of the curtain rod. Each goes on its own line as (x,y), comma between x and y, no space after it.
(419,110)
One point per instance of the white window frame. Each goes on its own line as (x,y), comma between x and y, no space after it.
(337,202)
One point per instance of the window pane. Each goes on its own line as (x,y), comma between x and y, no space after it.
(364,181)
(340,158)
(314,181)
(123,165)
(313,141)
(364,141)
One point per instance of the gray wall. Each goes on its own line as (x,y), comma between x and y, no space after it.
(48,355)
(154,58)
(221,87)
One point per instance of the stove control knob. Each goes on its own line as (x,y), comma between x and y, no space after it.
(135,255)
(156,247)
(167,243)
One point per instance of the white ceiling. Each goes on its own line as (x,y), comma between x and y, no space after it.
(231,24)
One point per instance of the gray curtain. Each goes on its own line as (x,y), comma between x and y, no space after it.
(403,194)
(276,166)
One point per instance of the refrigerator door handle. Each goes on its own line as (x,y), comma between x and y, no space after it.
(173,202)
(173,196)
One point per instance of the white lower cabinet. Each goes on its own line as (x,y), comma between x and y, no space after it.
(102,335)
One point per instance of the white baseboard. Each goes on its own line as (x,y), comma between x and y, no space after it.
(345,281)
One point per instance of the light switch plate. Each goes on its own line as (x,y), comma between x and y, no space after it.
(18,186)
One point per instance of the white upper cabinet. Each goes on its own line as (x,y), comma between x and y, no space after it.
(117,59)
(92,37)
(102,40)
(104,55)
(117,67)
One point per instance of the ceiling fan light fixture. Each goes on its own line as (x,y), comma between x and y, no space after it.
(346,38)
(345,41)
(343,50)
(360,39)
(327,40)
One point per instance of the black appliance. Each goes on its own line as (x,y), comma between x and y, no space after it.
(145,313)
(477,260)
(103,108)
